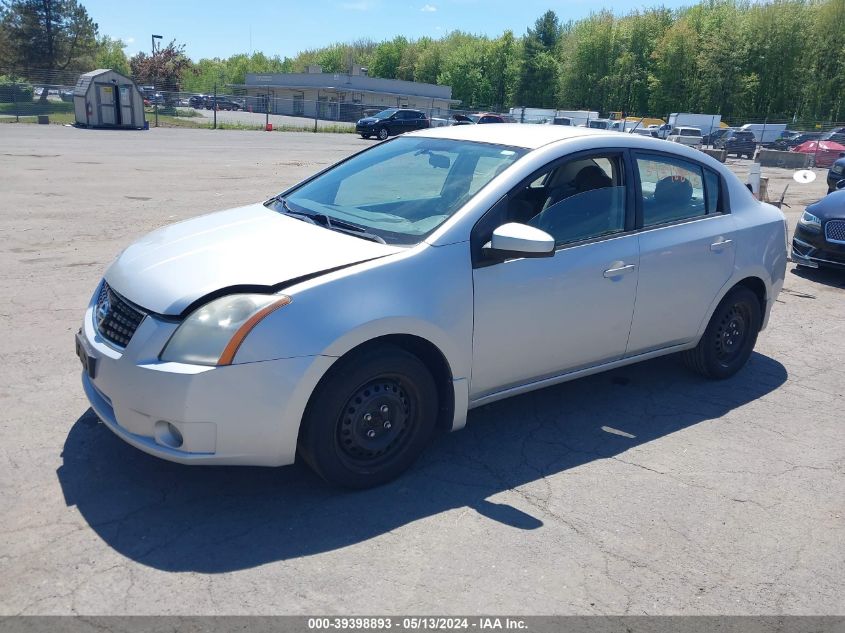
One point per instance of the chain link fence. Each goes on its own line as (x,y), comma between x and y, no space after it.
(48,95)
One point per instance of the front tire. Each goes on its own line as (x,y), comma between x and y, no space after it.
(383,134)
(729,338)
(370,418)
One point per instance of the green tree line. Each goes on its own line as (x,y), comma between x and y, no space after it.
(782,59)
(744,60)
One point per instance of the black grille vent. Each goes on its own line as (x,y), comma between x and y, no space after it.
(116,319)
(834,231)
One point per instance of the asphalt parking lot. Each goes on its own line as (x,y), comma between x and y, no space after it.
(642,491)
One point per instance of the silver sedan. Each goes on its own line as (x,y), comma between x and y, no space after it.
(349,317)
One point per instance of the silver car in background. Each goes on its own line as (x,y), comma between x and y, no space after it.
(349,317)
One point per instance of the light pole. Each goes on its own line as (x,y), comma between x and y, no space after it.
(155,96)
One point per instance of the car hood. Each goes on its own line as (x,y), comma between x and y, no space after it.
(368,120)
(251,247)
(831,207)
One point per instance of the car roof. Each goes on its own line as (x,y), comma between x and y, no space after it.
(513,134)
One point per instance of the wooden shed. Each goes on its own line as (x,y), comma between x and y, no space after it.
(105,98)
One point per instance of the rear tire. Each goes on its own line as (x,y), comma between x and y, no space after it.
(370,418)
(730,336)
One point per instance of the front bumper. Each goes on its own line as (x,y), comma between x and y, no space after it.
(365,129)
(813,250)
(247,414)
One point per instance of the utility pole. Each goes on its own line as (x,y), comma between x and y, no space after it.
(155,92)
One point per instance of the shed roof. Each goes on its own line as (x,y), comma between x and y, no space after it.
(84,81)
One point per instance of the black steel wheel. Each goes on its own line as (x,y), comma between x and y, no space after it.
(730,336)
(369,418)
(383,134)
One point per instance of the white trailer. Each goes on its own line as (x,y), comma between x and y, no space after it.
(704,122)
(764,132)
(548,116)
(532,115)
(577,117)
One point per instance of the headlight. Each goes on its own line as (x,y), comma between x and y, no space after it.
(810,221)
(212,334)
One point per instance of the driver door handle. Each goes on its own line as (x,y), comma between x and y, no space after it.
(619,270)
(721,245)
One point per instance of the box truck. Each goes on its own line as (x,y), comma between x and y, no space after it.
(764,132)
(704,122)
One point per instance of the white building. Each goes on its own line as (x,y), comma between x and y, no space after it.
(341,96)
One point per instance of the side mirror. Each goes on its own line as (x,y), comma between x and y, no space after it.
(520,240)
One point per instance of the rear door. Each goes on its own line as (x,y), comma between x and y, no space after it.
(105,102)
(686,247)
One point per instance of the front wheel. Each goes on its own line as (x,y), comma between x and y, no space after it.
(369,418)
(729,338)
(383,134)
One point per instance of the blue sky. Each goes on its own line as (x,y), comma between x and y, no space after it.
(220,28)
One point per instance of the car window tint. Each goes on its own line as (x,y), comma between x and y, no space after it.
(672,189)
(712,191)
(581,199)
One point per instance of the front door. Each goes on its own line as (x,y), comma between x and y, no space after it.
(105,102)
(686,250)
(537,318)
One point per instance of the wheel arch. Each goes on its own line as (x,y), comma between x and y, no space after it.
(753,282)
(429,354)
(758,287)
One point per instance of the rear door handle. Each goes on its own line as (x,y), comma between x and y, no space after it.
(619,270)
(721,245)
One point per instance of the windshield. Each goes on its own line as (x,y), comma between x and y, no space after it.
(402,190)
(385,114)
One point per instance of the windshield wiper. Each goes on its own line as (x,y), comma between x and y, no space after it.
(321,219)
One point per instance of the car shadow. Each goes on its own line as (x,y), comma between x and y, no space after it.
(834,277)
(219,519)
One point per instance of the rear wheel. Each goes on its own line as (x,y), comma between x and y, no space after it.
(729,338)
(370,418)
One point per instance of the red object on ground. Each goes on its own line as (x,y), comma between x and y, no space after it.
(825,151)
(269,127)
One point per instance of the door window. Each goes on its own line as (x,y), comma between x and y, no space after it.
(576,200)
(674,189)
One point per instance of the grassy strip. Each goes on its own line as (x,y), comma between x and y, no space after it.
(165,120)
(34,108)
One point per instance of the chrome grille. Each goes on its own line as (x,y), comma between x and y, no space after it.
(834,231)
(116,319)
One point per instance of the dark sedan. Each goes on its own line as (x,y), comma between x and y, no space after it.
(836,173)
(739,142)
(221,103)
(785,143)
(391,122)
(819,238)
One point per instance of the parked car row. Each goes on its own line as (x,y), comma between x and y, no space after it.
(208,102)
